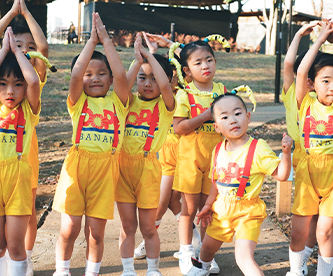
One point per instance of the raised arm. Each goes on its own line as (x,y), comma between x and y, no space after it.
(289,61)
(29,74)
(182,125)
(5,46)
(161,41)
(81,64)
(5,20)
(282,171)
(118,71)
(39,38)
(304,67)
(161,79)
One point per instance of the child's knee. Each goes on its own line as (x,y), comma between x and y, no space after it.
(148,232)
(129,228)
(324,235)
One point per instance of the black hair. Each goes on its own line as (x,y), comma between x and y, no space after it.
(165,64)
(98,56)
(191,47)
(325,59)
(19,25)
(228,94)
(10,66)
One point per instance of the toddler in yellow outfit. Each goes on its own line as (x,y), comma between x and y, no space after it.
(147,125)
(91,168)
(20,107)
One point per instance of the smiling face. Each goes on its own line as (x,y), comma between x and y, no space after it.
(201,66)
(231,118)
(323,85)
(96,79)
(146,83)
(12,90)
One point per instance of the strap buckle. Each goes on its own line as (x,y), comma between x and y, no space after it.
(19,156)
(113,151)
(238,198)
(145,154)
(307,151)
(244,176)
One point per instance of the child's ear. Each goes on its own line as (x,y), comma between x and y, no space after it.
(310,85)
(248,117)
(187,71)
(216,128)
(111,80)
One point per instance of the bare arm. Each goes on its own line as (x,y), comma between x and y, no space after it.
(118,71)
(39,38)
(5,20)
(205,215)
(289,61)
(183,125)
(29,74)
(282,171)
(162,41)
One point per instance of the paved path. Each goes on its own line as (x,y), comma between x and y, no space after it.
(271,253)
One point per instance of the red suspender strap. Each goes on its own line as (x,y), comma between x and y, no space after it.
(306,130)
(193,105)
(151,131)
(217,150)
(20,131)
(246,172)
(81,122)
(225,90)
(115,131)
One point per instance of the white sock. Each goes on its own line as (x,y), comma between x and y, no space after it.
(307,253)
(92,267)
(3,265)
(157,223)
(325,265)
(296,261)
(177,216)
(153,264)
(187,248)
(18,267)
(62,266)
(29,255)
(205,265)
(196,238)
(128,264)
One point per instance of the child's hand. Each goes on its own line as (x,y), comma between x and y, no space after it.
(287,143)
(16,7)
(137,46)
(5,42)
(205,215)
(307,28)
(160,40)
(151,43)
(93,35)
(326,30)
(23,8)
(100,28)
(12,42)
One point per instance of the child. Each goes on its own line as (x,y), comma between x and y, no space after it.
(138,187)
(229,211)
(28,39)
(168,158)
(19,111)
(193,121)
(90,170)
(313,174)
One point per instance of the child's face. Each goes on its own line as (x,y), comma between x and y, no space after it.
(231,118)
(26,43)
(96,79)
(12,90)
(323,85)
(146,83)
(201,66)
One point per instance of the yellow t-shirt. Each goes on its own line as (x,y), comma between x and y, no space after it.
(138,122)
(97,131)
(321,125)
(290,103)
(230,166)
(8,123)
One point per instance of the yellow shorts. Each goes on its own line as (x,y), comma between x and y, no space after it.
(15,187)
(33,160)
(298,154)
(139,180)
(243,217)
(194,157)
(86,184)
(168,157)
(313,186)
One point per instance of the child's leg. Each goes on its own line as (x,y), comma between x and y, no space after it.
(94,232)
(69,230)
(310,243)
(208,249)
(3,246)
(325,236)
(202,202)
(244,250)
(165,196)
(16,227)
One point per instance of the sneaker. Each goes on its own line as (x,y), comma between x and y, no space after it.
(185,262)
(305,268)
(291,274)
(140,251)
(153,273)
(214,268)
(62,273)
(196,269)
(176,255)
(128,273)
